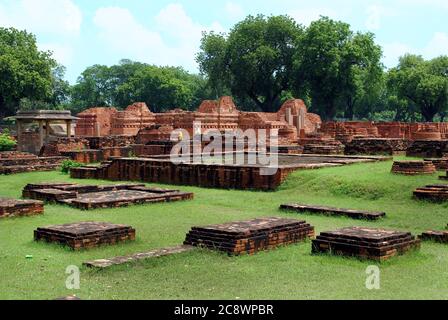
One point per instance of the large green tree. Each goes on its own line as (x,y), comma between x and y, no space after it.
(254,61)
(423,83)
(25,72)
(164,88)
(337,65)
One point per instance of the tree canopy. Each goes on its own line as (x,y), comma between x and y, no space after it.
(25,72)
(423,83)
(255,60)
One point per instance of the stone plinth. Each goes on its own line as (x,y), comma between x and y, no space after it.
(249,237)
(85,235)
(413,167)
(19,208)
(366,243)
(88,197)
(437,193)
(434,235)
(440,163)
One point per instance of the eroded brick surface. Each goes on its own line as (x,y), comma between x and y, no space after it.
(367,243)
(249,237)
(84,235)
(413,167)
(103,196)
(16,208)
(435,192)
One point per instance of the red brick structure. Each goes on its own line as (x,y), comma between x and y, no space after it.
(291,120)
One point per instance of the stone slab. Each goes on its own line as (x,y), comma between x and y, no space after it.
(355,214)
(105,263)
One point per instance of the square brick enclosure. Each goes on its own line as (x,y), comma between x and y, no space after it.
(367,243)
(213,172)
(103,196)
(84,235)
(249,237)
(18,208)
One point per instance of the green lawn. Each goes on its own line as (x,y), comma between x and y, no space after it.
(286,273)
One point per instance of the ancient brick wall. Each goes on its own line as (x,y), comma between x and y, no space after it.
(291,120)
(203,175)
(59,146)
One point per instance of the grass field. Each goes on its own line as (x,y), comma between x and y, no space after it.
(286,273)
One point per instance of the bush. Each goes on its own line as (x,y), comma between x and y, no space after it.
(7,143)
(68,164)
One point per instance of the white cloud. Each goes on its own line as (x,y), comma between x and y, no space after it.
(375,13)
(307,15)
(123,33)
(62,53)
(60,17)
(234,10)
(437,46)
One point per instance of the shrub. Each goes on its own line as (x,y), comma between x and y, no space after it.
(7,143)
(68,164)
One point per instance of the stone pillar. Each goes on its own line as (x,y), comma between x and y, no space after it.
(41,134)
(19,134)
(69,128)
(47,129)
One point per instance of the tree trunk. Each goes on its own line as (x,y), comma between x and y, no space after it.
(428,112)
(350,112)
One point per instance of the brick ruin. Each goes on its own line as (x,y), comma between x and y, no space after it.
(12,162)
(291,120)
(103,132)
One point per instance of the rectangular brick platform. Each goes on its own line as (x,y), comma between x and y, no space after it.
(211,172)
(436,192)
(433,235)
(105,263)
(84,235)
(366,243)
(18,208)
(413,167)
(87,197)
(355,214)
(249,237)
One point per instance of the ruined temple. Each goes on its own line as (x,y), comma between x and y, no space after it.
(291,121)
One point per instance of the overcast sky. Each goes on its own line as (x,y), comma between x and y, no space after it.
(167,32)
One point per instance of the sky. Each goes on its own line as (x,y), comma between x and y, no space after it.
(81,33)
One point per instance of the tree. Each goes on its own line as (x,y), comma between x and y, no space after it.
(255,61)
(25,72)
(336,64)
(424,83)
(163,88)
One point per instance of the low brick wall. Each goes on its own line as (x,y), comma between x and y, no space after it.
(19,165)
(202,175)
(428,148)
(377,146)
